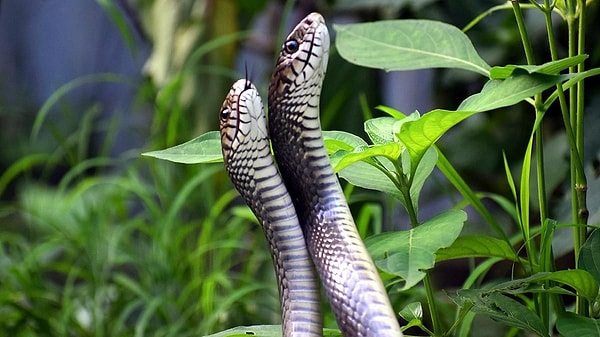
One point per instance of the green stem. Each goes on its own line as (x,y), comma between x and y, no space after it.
(580,179)
(405,185)
(542,300)
(433,310)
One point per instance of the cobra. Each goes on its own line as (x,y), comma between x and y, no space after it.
(352,284)
(250,166)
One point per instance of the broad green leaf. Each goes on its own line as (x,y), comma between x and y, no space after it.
(502,309)
(500,93)
(477,246)
(573,325)
(264,331)
(203,149)
(344,159)
(380,130)
(409,253)
(367,176)
(589,255)
(580,280)
(420,134)
(412,311)
(413,314)
(549,68)
(351,140)
(342,144)
(408,45)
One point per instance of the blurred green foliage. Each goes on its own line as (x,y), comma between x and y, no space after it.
(97,245)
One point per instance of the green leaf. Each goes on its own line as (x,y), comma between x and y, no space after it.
(502,309)
(203,149)
(412,311)
(573,325)
(390,111)
(264,331)
(426,166)
(422,133)
(344,159)
(413,314)
(409,253)
(367,176)
(579,280)
(500,93)
(380,130)
(477,246)
(408,45)
(335,139)
(549,68)
(589,255)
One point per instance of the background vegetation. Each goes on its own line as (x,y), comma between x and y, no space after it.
(97,240)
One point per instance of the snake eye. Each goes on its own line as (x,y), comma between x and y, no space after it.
(291,46)
(225,113)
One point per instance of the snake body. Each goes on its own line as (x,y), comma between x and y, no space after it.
(322,227)
(353,286)
(250,166)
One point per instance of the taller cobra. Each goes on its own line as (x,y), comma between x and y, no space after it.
(352,284)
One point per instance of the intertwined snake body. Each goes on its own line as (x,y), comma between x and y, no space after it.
(248,161)
(350,279)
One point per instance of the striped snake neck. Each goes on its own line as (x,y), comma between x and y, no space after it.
(294,93)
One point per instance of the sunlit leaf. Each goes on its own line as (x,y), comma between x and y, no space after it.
(380,130)
(409,253)
(389,150)
(408,45)
(391,111)
(203,149)
(420,134)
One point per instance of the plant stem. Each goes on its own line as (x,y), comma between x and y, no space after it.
(405,185)
(580,179)
(541,300)
(433,310)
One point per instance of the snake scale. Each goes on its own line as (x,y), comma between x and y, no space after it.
(315,215)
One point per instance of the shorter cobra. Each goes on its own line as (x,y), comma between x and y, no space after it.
(249,164)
